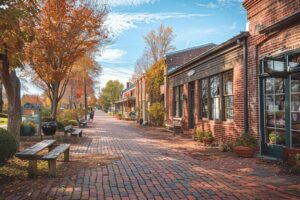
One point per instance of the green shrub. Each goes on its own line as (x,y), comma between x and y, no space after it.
(156,114)
(70,114)
(28,128)
(60,125)
(199,135)
(208,136)
(46,114)
(8,145)
(110,113)
(71,122)
(246,140)
(226,147)
(3,115)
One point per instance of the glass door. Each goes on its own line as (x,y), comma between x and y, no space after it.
(294,65)
(274,129)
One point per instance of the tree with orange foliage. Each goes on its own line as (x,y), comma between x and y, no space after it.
(15,18)
(83,70)
(154,79)
(65,31)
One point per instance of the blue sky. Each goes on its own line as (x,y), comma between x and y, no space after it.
(194,22)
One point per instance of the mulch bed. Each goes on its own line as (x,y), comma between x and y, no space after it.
(14,175)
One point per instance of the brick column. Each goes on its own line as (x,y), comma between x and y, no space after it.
(196,102)
(185,116)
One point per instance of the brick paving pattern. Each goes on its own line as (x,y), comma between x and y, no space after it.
(147,170)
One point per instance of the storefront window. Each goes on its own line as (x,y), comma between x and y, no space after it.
(228,95)
(275,111)
(204,98)
(215,97)
(178,101)
(294,61)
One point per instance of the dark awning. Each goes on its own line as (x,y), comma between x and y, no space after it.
(285,22)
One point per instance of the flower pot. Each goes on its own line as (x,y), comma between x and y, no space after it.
(49,128)
(245,152)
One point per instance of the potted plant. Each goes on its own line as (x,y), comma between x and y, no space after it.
(207,138)
(272,138)
(246,145)
(49,128)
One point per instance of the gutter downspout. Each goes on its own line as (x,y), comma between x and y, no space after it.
(245,60)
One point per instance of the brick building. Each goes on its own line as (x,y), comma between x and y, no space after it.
(175,60)
(142,99)
(126,104)
(273,73)
(208,91)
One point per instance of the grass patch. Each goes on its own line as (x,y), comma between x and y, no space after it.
(3,121)
(17,169)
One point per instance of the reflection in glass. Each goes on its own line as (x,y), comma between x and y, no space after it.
(275,111)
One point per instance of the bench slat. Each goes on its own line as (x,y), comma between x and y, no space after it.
(56,152)
(76,132)
(32,151)
(68,128)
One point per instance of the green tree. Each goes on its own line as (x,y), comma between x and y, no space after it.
(110,93)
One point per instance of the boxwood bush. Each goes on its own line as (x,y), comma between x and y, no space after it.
(60,125)
(28,128)
(71,122)
(8,145)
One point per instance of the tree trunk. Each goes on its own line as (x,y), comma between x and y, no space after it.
(1,97)
(12,87)
(54,101)
(14,106)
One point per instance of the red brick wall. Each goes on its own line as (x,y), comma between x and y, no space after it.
(262,14)
(224,130)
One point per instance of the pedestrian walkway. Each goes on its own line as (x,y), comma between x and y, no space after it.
(148,170)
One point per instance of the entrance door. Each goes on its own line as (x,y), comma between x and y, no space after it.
(274,125)
(280,104)
(191,105)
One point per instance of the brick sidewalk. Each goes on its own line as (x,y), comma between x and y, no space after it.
(148,170)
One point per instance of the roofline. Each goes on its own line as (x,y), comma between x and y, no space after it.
(243,34)
(188,49)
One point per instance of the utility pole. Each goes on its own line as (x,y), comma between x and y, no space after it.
(85,99)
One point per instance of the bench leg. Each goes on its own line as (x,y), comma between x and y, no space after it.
(67,155)
(32,170)
(52,167)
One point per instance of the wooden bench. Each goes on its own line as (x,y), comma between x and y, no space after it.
(72,131)
(83,123)
(31,155)
(52,156)
(174,124)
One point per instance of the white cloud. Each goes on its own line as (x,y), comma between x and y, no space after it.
(117,23)
(233,26)
(208,5)
(115,3)
(111,55)
(229,2)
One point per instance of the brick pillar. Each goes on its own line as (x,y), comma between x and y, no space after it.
(170,101)
(185,116)
(196,100)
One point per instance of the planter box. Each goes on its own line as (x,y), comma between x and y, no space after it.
(245,152)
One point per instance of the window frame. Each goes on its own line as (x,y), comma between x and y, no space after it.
(225,96)
(201,115)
